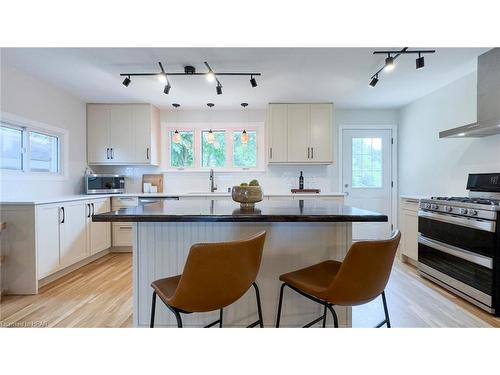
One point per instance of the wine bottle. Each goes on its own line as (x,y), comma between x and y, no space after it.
(301,181)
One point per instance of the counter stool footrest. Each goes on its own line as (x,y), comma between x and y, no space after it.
(381,323)
(254,324)
(321,318)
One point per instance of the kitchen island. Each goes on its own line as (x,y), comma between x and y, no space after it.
(299,233)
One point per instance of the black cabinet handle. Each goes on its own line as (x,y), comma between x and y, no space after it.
(312,152)
(112,153)
(107,153)
(64,215)
(88,205)
(147,153)
(93,209)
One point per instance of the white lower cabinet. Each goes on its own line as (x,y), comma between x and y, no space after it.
(122,234)
(408,217)
(66,234)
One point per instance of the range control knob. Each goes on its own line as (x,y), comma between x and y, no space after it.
(463,211)
(448,208)
(473,212)
(434,206)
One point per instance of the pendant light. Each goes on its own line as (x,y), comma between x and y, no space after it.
(210,135)
(244,135)
(177,136)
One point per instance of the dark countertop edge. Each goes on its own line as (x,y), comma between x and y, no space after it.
(240,219)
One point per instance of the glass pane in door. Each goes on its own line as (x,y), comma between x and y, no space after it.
(366,163)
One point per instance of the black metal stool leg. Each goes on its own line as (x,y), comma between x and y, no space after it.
(153,307)
(220,319)
(386,311)
(334,314)
(259,307)
(279,305)
(324,317)
(178,317)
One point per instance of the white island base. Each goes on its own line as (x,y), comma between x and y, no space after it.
(161,249)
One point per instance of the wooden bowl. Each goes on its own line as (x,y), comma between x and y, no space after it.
(247,196)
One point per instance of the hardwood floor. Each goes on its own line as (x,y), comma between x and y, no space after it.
(100,295)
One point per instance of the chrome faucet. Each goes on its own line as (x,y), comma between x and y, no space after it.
(213,187)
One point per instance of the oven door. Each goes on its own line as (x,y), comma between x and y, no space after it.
(474,235)
(465,273)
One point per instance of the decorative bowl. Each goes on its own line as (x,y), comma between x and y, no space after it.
(247,196)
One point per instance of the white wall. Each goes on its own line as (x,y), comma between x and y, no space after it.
(278,178)
(432,166)
(33,99)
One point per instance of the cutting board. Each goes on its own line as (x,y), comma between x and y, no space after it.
(312,191)
(154,179)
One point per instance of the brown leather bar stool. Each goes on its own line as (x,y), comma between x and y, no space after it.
(359,279)
(215,275)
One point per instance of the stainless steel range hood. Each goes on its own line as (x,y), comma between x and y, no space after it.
(488,100)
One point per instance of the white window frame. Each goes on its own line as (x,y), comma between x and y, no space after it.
(26,125)
(228,128)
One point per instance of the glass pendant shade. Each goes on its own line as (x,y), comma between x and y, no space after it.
(177,137)
(210,136)
(244,137)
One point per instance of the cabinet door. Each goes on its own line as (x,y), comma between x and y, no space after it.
(277,133)
(142,133)
(120,133)
(410,234)
(97,134)
(47,239)
(73,232)
(321,133)
(99,233)
(298,133)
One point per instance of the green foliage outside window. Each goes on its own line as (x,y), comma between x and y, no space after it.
(181,154)
(213,154)
(245,154)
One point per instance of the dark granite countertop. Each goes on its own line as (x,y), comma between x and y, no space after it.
(229,211)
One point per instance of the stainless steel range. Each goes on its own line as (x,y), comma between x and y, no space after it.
(459,241)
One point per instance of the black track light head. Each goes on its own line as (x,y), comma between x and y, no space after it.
(420,63)
(389,63)
(167,88)
(176,105)
(126,81)
(374,81)
(219,89)
(253,81)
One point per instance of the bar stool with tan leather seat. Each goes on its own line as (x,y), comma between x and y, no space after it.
(359,279)
(215,276)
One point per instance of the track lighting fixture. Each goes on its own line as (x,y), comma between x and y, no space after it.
(126,81)
(167,88)
(391,58)
(389,63)
(419,62)
(190,70)
(253,81)
(218,88)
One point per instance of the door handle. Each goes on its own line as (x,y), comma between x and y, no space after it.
(346,192)
(63,215)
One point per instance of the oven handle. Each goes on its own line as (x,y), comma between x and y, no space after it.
(488,226)
(457,252)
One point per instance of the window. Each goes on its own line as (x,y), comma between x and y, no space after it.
(44,155)
(11,148)
(182,149)
(366,162)
(28,150)
(245,154)
(213,151)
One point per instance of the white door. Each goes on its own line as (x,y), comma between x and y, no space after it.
(47,239)
(73,232)
(298,133)
(98,134)
(121,133)
(100,233)
(367,177)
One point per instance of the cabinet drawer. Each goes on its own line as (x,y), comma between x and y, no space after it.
(122,234)
(123,202)
(409,204)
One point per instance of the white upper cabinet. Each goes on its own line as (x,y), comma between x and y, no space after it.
(277,133)
(300,133)
(123,134)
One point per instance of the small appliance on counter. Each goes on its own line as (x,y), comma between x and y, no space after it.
(459,242)
(104,184)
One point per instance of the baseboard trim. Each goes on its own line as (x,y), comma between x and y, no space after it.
(121,249)
(73,267)
(411,261)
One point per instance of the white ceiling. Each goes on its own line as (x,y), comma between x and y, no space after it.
(339,75)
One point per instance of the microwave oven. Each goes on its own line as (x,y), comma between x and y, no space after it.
(104,184)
